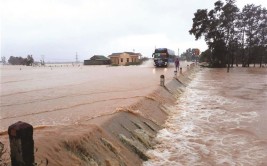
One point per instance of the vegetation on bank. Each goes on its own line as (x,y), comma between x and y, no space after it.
(233,36)
(189,55)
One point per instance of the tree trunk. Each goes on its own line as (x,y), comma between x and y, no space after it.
(228,62)
(243,50)
(249,59)
(233,59)
(261,60)
(243,59)
(236,61)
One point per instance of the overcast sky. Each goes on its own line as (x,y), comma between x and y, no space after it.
(57,29)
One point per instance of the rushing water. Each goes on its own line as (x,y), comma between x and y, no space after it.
(219,120)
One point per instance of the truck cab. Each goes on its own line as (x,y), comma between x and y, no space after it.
(162,57)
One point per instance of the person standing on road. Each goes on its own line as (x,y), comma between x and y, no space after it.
(177,64)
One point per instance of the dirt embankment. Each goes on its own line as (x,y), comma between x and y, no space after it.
(120,138)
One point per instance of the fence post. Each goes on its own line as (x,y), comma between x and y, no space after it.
(21,144)
(162,80)
(175,74)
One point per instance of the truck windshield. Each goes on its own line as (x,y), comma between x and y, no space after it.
(156,55)
(160,55)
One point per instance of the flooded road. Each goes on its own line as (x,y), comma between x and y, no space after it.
(220,119)
(66,94)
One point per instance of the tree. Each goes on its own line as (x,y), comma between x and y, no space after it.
(205,56)
(3,58)
(262,35)
(251,17)
(189,55)
(228,20)
(21,61)
(207,24)
(30,60)
(232,36)
(240,24)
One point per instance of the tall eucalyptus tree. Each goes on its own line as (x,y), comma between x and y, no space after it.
(228,19)
(251,19)
(240,24)
(218,28)
(207,24)
(262,35)
(232,35)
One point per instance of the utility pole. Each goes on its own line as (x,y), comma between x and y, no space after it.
(42,60)
(77,58)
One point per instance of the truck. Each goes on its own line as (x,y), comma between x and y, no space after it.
(163,56)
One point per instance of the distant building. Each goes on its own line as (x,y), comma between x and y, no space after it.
(97,60)
(124,58)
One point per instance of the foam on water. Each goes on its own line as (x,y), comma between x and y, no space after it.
(205,129)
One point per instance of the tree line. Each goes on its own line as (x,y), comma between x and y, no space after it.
(21,61)
(233,36)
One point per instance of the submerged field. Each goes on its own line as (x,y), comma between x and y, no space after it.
(61,94)
(99,115)
(73,106)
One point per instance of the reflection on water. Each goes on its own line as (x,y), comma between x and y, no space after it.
(219,120)
(161,70)
(165,69)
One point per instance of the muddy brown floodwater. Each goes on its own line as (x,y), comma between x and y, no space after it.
(63,94)
(86,115)
(219,120)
